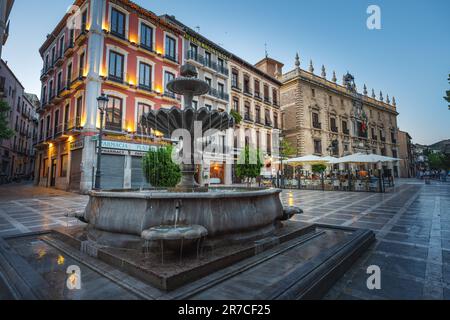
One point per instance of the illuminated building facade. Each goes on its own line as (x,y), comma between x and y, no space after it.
(113,47)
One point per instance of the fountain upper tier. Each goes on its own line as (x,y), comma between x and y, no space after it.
(167,121)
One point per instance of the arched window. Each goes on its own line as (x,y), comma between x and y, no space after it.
(114,114)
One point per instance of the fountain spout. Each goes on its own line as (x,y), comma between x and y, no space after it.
(178,206)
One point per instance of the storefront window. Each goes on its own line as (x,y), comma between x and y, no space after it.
(64,164)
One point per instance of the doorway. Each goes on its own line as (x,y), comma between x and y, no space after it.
(53,174)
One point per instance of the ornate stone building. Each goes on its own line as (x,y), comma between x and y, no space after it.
(322,117)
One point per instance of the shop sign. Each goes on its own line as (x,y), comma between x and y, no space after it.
(115,152)
(127,146)
(205,46)
(78,144)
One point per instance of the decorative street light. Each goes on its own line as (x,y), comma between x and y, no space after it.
(102,104)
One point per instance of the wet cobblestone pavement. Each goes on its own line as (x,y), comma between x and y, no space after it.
(412,224)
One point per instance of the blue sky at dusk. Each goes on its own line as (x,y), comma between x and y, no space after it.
(409,58)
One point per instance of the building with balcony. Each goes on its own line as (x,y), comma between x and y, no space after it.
(406,154)
(255,95)
(17,153)
(113,47)
(5,10)
(324,118)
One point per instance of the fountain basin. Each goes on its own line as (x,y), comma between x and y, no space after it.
(175,237)
(226,214)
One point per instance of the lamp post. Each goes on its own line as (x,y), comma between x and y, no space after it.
(102,103)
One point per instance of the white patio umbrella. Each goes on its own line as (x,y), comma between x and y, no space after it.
(359,158)
(310,159)
(331,160)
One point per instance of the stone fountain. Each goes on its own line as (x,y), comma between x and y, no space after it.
(189,212)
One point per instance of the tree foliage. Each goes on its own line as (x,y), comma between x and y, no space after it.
(448,93)
(237,116)
(438,161)
(318,168)
(159,169)
(286,150)
(250,164)
(5,131)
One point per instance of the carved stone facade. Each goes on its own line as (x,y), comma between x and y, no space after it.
(324,118)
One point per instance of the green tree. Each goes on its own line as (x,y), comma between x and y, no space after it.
(448,93)
(249,165)
(159,169)
(318,168)
(237,116)
(438,161)
(286,150)
(5,131)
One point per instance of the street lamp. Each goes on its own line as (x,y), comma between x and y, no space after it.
(102,104)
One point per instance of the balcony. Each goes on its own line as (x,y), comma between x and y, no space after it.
(268,123)
(346,132)
(59,60)
(171,95)
(194,56)
(77,81)
(73,125)
(44,73)
(257,96)
(267,100)
(218,94)
(147,88)
(48,135)
(147,48)
(236,86)
(247,91)
(116,79)
(81,37)
(116,127)
(317,125)
(69,49)
(191,55)
(58,131)
(50,69)
(383,139)
(171,58)
(334,129)
(275,103)
(51,96)
(248,118)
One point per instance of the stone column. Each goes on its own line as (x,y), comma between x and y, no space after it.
(228,174)
(93,90)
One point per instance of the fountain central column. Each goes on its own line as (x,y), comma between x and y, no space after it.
(188,169)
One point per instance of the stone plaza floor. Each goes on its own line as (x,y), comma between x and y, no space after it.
(412,225)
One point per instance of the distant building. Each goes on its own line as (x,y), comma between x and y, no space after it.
(17,153)
(5,10)
(323,118)
(255,94)
(406,154)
